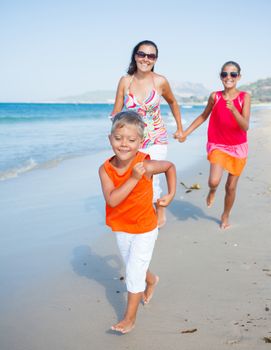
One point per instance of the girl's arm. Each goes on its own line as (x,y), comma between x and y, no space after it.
(162,166)
(119,100)
(173,104)
(242,119)
(114,196)
(201,118)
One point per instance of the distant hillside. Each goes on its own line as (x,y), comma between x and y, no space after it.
(190,92)
(184,92)
(260,90)
(97,96)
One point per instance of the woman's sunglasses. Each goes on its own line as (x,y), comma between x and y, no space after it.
(150,56)
(232,74)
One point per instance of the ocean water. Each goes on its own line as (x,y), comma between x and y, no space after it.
(42,135)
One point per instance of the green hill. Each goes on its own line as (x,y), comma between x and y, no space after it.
(185,93)
(260,90)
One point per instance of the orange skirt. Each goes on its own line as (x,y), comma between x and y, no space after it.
(232,164)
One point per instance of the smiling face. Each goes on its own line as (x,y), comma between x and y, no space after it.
(145,64)
(125,142)
(230,80)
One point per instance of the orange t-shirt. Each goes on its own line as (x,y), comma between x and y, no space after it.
(135,214)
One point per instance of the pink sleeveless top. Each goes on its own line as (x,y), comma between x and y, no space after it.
(155,131)
(223,128)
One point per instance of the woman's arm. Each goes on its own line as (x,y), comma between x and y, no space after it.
(242,119)
(114,196)
(173,104)
(119,100)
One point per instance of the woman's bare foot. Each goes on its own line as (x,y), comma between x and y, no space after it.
(124,326)
(161,216)
(148,293)
(210,198)
(224,222)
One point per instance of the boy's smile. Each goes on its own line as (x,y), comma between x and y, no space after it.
(125,142)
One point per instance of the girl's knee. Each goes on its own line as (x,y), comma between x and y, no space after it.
(213,183)
(230,188)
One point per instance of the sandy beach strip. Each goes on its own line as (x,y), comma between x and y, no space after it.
(60,271)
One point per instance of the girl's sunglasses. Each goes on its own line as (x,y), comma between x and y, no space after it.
(232,74)
(150,56)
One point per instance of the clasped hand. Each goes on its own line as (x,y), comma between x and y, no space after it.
(230,105)
(138,171)
(180,136)
(164,201)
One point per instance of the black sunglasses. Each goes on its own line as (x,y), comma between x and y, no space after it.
(150,56)
(232,74)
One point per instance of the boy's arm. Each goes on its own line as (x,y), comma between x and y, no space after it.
(114,196)
(162,166)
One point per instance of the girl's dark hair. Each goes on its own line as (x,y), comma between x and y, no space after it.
(132,66)
(231,63)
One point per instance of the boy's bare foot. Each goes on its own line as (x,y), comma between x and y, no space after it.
(161,216)
(148,293)
(210,198)
(224,222)
(124,326)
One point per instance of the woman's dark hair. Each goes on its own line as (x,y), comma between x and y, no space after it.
(231,63)
(132,66)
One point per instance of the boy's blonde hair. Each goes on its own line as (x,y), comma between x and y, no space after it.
(128,118)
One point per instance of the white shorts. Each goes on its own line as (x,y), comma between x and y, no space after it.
(136,251)
(156,152)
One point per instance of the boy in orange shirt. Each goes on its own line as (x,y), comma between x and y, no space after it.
(126,180)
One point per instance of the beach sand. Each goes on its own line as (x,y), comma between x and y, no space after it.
(60,271)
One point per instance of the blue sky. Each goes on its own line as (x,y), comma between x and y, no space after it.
(51,49)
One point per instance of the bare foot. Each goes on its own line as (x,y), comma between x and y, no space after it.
(210,198)
(224,222)
(124,326)
(161,216)
(148,293)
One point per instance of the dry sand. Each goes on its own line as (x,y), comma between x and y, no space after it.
(214,281)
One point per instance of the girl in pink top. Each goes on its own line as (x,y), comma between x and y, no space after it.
(227,135)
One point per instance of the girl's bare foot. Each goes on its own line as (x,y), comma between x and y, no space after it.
(124,326)
(148,293)
(224,222)
(210,198)
(161,216)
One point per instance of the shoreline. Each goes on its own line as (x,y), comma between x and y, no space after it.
(32,165)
